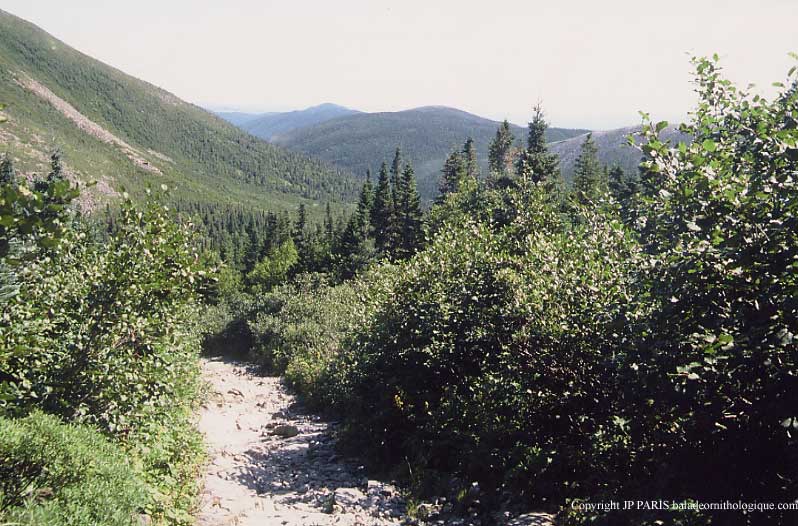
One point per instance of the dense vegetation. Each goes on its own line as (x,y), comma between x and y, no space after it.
(426,136)
(626,337)
(98,359)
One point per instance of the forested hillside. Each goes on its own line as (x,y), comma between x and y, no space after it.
(426,135)
(123,132)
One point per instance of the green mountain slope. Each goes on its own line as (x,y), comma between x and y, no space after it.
(426,136)
(124,132)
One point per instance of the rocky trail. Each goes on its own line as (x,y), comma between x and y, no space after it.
(271,463)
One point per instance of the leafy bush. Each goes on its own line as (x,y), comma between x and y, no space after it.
(490,339)
(715,363)
(106,333)
(300,329)
(273,269)
(101,333)
(62,474)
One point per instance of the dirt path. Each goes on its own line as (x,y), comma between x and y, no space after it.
(272,464)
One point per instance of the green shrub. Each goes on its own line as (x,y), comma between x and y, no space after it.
(712,414)
(62,474)
(106,333)
(491,339)
(300,329)
(100,332)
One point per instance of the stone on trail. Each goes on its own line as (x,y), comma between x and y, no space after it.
(285,431)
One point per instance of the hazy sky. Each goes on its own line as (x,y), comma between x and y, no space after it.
(592,64)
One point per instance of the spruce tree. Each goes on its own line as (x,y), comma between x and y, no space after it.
(453,172)
(396,173)
(623,187)
(499,150)
(536,163)
(301,223)
(354,251)
(300,237)
(589,176)
(366,203)
(470,159)
(409,214)
(329,228)
(56,168)
(382,212)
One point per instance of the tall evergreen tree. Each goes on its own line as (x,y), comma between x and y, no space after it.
(396,174)
(300,236)
(536,163)
(354,251)
(409,214)
(590,178)
(329,227)
(382,212)
(470,159)
(453,172)
(301,223)
(499,151)
(623,187)
(366,203)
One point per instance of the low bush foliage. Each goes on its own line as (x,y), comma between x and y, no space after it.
(103,331)
(301,328)
(53,473)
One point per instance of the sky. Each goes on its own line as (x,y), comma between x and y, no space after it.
(591,64)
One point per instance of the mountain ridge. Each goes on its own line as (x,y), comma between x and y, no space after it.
(270,125)
(129,133)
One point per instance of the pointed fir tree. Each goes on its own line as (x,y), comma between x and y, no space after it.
(470,159)
(453,172)
(301,223)
(536,163)
(354,251)
(329,227)
(366,203)
(396,175)
(499,150)
(623,188)
(589,176)
(300,235)
(409,214)
(382,212)
(56,168)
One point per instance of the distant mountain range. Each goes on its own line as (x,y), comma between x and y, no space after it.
(359,141)
(270,126)
(125,133)
(240,118)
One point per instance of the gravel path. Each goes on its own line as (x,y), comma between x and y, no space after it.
(272,464)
